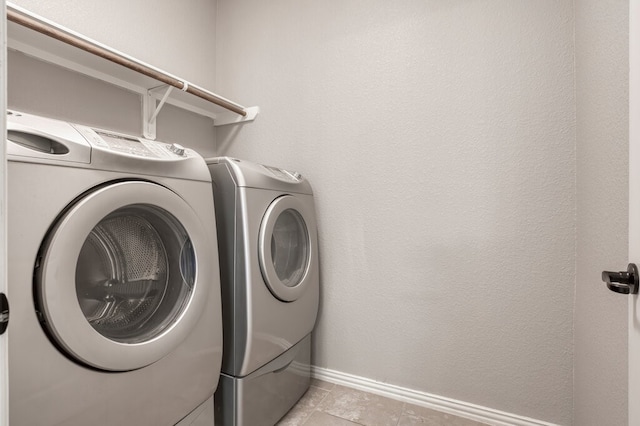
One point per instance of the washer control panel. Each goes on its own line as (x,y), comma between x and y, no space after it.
(36,139)
(177,149)
(131,145)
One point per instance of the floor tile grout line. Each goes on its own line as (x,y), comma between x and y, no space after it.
(323,398)
(404,404)
(402,412)
(342,418)
(315,407)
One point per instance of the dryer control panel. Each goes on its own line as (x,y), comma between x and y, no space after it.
(255,175)
(284,174)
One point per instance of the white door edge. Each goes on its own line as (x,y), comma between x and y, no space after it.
(4,366)
(634,205)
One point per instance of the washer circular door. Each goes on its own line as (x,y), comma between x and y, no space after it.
(287,246)
(119,283)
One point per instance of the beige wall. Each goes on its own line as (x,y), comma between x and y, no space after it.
(602,64)
(439,137)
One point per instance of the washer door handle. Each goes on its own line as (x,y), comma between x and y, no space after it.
(624,282)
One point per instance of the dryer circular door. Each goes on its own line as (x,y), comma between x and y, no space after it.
(287,247)
(119,282)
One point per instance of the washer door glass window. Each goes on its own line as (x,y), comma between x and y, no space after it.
(123,276)
(135,273)
(285,248)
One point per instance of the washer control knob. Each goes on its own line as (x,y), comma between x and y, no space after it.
(177,149)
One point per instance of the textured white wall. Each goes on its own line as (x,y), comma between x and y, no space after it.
(439,138)
(600,395)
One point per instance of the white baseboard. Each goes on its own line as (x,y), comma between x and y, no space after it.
(423,399)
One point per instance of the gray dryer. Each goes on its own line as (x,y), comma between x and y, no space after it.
(268,249)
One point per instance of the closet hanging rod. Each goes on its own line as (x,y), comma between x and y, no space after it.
(50,31)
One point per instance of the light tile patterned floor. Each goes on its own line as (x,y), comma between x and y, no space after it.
(327,404)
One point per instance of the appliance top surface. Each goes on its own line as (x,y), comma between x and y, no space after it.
(36,139)
(253,175)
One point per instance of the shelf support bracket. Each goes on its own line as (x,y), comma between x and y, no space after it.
(230,118)
(150,110)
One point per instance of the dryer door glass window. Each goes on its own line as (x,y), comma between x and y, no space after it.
(290,247)
(135,273)
(286,247)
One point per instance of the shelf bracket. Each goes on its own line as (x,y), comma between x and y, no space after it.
(150,110)
(230,118)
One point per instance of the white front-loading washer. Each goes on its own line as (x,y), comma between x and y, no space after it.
(113,279)
(268,248)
